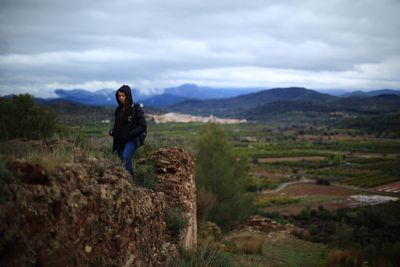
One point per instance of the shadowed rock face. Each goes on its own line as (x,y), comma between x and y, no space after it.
(73,218)
(175,177)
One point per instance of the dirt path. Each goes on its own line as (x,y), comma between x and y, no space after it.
(284,185)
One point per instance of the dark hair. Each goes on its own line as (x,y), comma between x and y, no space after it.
(125,109)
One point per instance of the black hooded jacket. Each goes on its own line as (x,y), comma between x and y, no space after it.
(133,128)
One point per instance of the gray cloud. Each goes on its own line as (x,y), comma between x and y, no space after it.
(156,43)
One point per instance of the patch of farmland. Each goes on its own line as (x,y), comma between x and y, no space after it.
(393,188)
(291,159)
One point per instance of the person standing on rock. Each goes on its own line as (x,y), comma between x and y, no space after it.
(130,129)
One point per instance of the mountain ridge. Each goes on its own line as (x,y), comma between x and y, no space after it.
(174,95)
(372,93)
(249,101)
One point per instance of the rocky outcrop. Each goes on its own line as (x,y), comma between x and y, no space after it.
(175,177)
(267,225)
(262,224)
(75,217)
(210,232)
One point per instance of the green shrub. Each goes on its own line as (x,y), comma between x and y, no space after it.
(175,220)
(50,158)
(20,117)
(305,213)
(322,181)
(5,174)
(220,172)
(145,176)
(146,150)
(344,236)
(5,178)
(204,256)
(313,229)
(255,184)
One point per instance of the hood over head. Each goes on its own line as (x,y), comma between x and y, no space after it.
(127,91)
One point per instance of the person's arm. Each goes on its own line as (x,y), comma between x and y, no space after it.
(140,123)
(111,131)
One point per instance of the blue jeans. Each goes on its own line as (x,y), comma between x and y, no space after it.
(126,156)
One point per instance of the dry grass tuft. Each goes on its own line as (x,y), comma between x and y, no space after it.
(345,258)
(248,242)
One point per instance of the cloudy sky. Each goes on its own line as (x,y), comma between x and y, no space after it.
(153,44)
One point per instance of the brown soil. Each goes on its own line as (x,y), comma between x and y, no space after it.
(339,194)
(330,205)
(315,189)
(393,188)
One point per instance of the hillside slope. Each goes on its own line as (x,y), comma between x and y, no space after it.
(269,103)
(239,105)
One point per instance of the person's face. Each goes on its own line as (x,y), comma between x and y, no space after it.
(121,97)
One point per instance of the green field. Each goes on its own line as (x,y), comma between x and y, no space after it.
(363,161)
(282,249)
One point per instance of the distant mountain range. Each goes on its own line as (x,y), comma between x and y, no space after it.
(191,95)
(372,93)
(102,97)
(170,96)
(356,106)
(192,91)
(249,103)
(240,104)
(268,103)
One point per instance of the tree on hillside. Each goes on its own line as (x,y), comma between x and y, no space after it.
(20,117)
(220,173)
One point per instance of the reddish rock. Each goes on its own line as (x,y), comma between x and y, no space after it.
(76,216)
(29,173)
(175,178)
(262,224)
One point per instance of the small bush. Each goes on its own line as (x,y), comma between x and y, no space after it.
(175,220)
(247,242)
(344,235)
(5,178)
(255,184)
(5,174)
(305,213)
(204,256)
(322,181)
(146,150)
(145,176)
(345,258)
(51,158)
(313,229)
(325,214)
